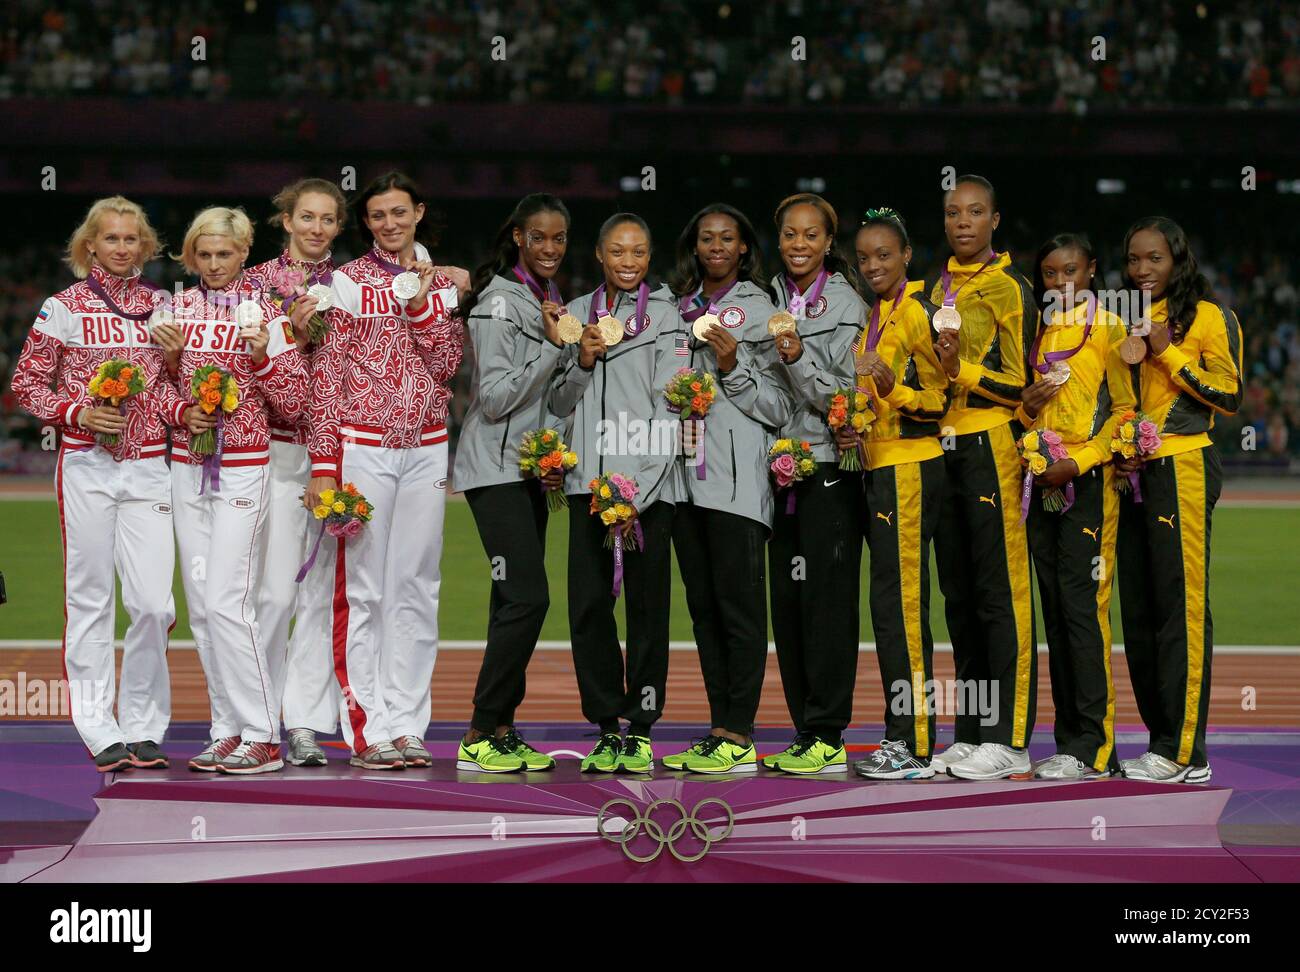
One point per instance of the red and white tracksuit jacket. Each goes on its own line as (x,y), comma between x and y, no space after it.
(379,404)
(115,506)
(219,527)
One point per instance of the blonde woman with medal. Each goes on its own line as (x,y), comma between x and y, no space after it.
(114,495)
(723,521)
(986,319)
(515,317)
(898,369)
(815,553)
(310,213)
(380,390)
(1189,372)
(219,497)
(1080,389)
(609,391)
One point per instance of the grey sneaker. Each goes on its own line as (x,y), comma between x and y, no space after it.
(303,748)
(1065,767)
(951,756)
(413,751)
(1154,768)
(216,751)
(380,756)
(251,758)
(894,761)
(147,755)
(115,757)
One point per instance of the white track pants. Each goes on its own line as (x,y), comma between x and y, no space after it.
(218,534)
(116,517)
(302,664)
(385,612)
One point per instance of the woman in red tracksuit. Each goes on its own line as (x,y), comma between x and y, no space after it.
(378,414)
(221,497)
(114,497)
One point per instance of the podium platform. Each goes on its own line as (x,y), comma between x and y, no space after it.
(345,825)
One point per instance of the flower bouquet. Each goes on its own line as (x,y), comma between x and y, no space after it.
(541,451)
(342,513)
(852,408)
(611,499)
(1038,450)
(115,382)
(790,461)
(1136,435)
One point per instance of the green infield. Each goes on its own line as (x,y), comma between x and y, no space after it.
(1254,570)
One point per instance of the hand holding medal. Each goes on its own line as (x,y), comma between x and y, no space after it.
(551,312)
(592,346)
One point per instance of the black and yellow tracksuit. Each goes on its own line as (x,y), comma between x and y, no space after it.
(1074,549)
(904,488)
(980,543)
(1164,542)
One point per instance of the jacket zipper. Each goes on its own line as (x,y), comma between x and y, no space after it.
(732,434)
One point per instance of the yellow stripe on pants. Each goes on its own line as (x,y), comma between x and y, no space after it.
(1016,548)
(1189,480)
(1109,533)
(907,490)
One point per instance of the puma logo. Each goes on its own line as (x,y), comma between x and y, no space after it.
(1168,519)
(990,500)
(887,517)
(1091,533)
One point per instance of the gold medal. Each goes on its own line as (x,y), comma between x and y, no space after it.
(569,328)
(782,322)
(702,324)
(1133,350)
(611,329)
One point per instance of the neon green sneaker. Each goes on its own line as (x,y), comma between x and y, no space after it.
(604,758)
(677,761)
(800,738)
(719,755)
(533,760)
(813,757)
(637,756)
(486,755)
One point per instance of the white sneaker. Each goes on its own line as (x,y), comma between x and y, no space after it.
(1062,766)
(1154,768)
(953,754)
(991,761)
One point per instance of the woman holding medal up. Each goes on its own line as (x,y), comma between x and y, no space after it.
(514,318)
(378,412)
(1080,389)
(815,554)
(111,481)
(311,213)
(613,379)
(986,321)
(1187,369)
(219,488)
(897,368)
(721,530)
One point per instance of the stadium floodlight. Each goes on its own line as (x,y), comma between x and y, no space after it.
(1110,187)
(629,184)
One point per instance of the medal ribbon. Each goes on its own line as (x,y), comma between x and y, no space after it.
(373,256)
(101,292)
(691,314)
(552,292)
(950,295)
(631,328)
(809,300)
(1051,357)
(876,330)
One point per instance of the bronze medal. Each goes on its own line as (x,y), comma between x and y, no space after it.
(947,318)
(1133,350)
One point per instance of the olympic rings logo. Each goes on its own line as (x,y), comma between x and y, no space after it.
(656,833)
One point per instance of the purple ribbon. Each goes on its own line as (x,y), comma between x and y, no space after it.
(950,295)
(305,569)
(211,472)
(700,468)
(1051,357)
(1069,496)
(1136,482)
(789,500)
(1026,493)
(799,303)
(618,553)
(710,305)
(876,330)
(631,328)
(552,292)
(99,291)
(373,256)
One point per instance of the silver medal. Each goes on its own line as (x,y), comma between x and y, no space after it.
(406,285)
(249,314)
(324,295)
(947,318)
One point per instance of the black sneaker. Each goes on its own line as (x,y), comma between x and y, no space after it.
(115,757)
(147,755)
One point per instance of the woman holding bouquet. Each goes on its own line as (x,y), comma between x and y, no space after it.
(1080,389)
(607,394)
(310,212)
(901,375)
(1189,372)
(111,480)
(723,524)
(513,314)
(815,554)
(238,362)
(378,413)
(986,321)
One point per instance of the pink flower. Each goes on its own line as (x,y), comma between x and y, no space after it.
(349,529)
(1050,437)
(683,371)
(783,468)
(1148,428)
(285,281)
(1148,443)
(1057,452)
(628,489)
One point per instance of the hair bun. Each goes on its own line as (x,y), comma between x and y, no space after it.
(884,212)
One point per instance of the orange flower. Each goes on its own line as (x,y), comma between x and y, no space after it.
(547,436)
(362,508)
(805,445)
(350,489)
(695,386)
(697,403)
(125,374)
